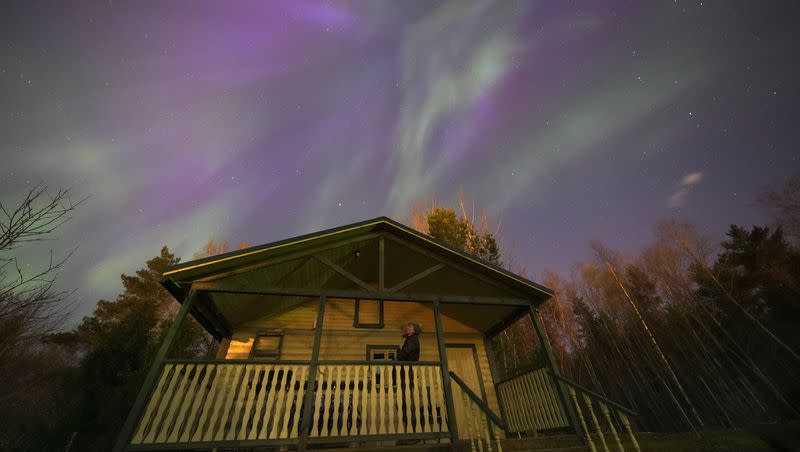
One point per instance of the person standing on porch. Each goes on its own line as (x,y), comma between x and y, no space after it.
(409,351)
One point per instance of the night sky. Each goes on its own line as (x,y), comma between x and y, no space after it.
(184,121)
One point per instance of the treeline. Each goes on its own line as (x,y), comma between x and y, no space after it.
(688,333)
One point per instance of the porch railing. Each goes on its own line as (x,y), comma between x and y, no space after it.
(612,421)
(531,403)
(483,425)
(251,402)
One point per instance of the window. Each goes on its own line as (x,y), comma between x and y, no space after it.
(267,346)
(368,314)
(382,352)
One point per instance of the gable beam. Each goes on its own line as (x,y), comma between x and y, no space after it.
(343,272)
(416,277)
(455,265)
(285,258)
(364,294)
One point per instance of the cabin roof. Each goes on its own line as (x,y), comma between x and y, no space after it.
(288,264)
(199,268)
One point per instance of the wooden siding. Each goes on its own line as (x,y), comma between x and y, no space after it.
(342,341)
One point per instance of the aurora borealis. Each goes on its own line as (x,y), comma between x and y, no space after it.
(257,121)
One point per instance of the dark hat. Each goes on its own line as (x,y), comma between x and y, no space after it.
(417,327)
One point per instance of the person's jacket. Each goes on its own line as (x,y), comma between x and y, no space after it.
(410,349)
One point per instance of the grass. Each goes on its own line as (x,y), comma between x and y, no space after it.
(756,438)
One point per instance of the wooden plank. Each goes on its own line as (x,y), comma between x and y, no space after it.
(333,266)
(201,434)
(299,397)
(197,402)
(260,385)
(368,294)
(377,426)
(155,400)
(416,278)
(290,394)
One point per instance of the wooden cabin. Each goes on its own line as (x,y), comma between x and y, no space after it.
(309,330)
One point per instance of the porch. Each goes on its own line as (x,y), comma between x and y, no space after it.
(319,390)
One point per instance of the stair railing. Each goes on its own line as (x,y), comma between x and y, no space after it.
(609,410)
(477,412)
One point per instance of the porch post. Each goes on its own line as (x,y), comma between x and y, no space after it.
(153,373)
(487,342)
(311,381)
(551,363)
(452,425)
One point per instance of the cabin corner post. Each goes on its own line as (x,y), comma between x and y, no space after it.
(553,366)
(312,377)
(452,425)
(152,375)
(487,343)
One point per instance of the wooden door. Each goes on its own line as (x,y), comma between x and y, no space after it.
(462,361)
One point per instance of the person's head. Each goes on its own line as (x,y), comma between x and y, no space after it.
(412,328)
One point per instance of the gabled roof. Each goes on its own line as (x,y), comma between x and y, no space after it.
(201,268)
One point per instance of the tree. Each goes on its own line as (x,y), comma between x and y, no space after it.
(785,206)
(444,225)
(117,344)
(30,307)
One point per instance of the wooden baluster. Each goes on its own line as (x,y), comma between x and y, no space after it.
(240,399)
(230,410)
(280,400)
(509,405)
(405,395)
(290,397)
(424,400)
(259,394)
(347,417)
(388,379)
(315,429)
(589,407)
(219,409)
(197,403)
(468,416)
(550,383)
(298,401)
(204,429)
(163,405)
(531,402)
(589,441)
(326,415)
(607,415)
(365,391)
(440,401)
(338,409)
(624,418)
(374,398)
(168,408)
(191,380)
(547,412)
(497,433)
(272,390)
(246,399)
(269,417)
(483,423)
(152,404)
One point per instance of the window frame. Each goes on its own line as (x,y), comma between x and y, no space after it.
(357,323)
(373,347)
(267,333)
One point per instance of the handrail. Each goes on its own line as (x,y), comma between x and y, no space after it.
(301,362)
(481,404)
(595,395)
